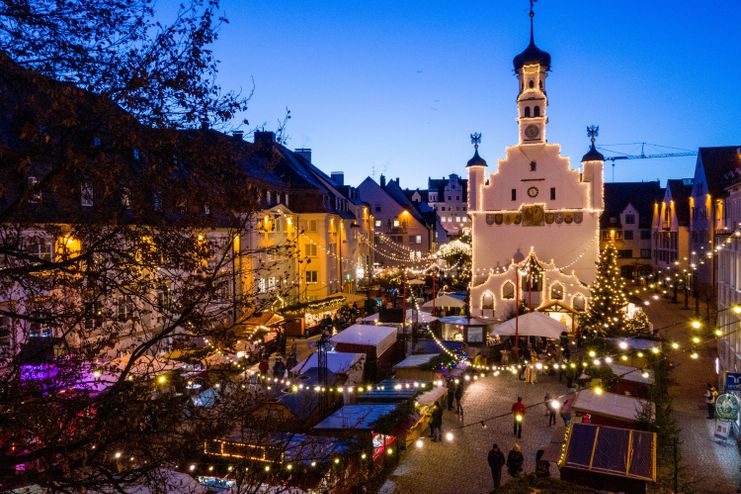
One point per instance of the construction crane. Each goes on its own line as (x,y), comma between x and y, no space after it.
(679,152)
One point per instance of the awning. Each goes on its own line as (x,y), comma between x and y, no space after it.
(531,324)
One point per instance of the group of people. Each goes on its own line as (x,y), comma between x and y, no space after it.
(454,397)
(514,462)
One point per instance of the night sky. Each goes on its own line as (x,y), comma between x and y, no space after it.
(398,86)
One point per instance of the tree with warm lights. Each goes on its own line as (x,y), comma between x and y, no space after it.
(119,225)
(606,312)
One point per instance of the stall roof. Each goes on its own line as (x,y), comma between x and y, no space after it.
(445,300)
(412,316)
(381,337)
(632,374)
(393,390)
(611,405)
(611,451)
(337,362)
(431,396)
(359,416)
(416,360)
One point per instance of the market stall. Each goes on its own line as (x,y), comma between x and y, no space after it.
(632,381)
(378,343)
(471,330)
(413,316)
(531,324)
(350,365)
(611,408)
(417,367)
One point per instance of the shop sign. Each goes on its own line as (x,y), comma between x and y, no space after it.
(726,407)
(733,381)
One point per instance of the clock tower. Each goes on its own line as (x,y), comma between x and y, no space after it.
(534,218)
(531,67)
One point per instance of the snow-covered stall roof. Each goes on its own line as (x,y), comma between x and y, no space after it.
(380,337)
(337,362)
(632,374)
(621,407)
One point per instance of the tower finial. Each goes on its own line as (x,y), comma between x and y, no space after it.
(476,139)
(592,132)
(532,15)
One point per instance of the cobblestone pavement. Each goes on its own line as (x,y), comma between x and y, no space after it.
(460,466)
(710,466)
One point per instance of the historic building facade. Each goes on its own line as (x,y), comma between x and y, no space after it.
(535,221)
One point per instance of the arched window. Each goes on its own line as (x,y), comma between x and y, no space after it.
(527,112)
(487,301)
(536,111)
(508,290)
(579,303)
(531,84)
(557,291)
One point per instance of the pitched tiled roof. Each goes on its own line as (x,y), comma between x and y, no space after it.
(641,195)
(716,162)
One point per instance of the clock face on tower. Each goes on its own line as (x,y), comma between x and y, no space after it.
(532,131)
(532,192)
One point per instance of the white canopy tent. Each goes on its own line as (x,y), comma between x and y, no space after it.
(531,324)
(444,300)
(612,405)
(412,316)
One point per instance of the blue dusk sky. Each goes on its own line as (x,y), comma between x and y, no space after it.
(396,87)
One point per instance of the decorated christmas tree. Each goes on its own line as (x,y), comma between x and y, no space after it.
(605,314)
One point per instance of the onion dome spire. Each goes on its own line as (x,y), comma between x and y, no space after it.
(593,154)
(532,54)
(476,160)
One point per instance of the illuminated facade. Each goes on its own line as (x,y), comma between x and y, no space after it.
(534,220)
(670,235)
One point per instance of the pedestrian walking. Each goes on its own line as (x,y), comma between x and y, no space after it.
(566,412)
(451,393)
(436,423)
(278,367)
(515,461)
(547,402)
(542,467)
(710,395)
(518,415)
(496,462)
(458,398)
(552,408)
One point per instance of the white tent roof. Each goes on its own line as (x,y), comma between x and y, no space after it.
(632,374)
(531,324)
(431,396)
(612,405)
(412,316)
(337,362)
(444,300)
(381,337)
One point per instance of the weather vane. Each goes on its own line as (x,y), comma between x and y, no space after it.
(593,131)
(476,139)
(532,13)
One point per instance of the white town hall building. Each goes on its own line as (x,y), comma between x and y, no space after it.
(534,219)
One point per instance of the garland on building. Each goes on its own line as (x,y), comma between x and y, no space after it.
(606,314)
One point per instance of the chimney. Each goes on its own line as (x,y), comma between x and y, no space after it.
(305,153)
(383,182)
(204,123)
(397,180)
(264,138)
(338,178)
(238,135)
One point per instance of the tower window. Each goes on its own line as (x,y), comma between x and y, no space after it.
(531,84)
(553,193)
(527,112)
(540,84)
(536,111)
(514,194)
(533,166)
